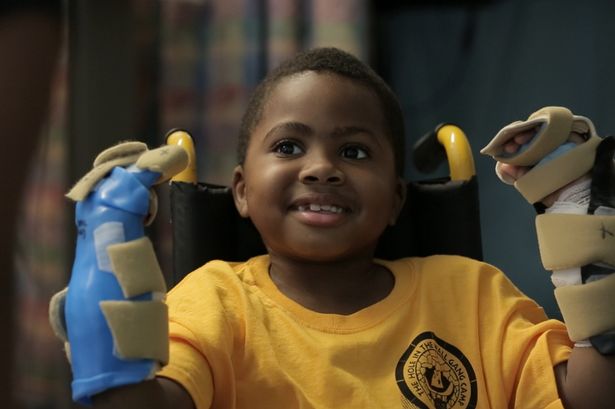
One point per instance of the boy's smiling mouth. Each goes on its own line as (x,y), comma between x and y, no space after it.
(320,202)
(320,210)
(314,207)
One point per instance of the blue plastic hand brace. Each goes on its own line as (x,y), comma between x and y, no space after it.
(112,213)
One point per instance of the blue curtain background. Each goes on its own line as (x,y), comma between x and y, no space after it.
(484,67)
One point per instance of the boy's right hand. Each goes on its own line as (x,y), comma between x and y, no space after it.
(112,315)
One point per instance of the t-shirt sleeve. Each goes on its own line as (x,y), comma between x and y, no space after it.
(189,368)
(530,346)
(536,385)
(204,334)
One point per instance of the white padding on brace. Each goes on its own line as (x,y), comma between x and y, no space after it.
(567,276)
(140,329)
(135,265)
(588,309)
(572,240)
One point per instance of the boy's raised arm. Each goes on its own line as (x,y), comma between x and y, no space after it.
(559,164)
(112,315)
(587,380)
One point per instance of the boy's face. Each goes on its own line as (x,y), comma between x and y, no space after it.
(319,177)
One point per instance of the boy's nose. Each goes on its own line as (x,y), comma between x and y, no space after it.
(321,170)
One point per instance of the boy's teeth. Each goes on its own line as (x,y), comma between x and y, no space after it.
(313,207)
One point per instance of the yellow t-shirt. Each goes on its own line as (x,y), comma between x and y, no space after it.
(454,333)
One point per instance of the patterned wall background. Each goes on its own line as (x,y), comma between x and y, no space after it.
(202,58)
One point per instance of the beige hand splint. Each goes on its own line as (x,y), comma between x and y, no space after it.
(588,309)
(554,125)
(573,240)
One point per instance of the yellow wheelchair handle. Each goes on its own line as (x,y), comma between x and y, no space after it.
(458,152)
(182,138)
(445,142)
(450,137)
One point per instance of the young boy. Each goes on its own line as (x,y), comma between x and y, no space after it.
(317,322)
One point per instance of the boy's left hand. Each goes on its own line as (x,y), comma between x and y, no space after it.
(556,159)
(544,154)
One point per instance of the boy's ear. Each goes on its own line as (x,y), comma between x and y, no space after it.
(239,191)
(401,191)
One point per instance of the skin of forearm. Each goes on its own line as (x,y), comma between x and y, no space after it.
(159,393)
(587,380)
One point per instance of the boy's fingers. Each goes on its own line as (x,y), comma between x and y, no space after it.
(513,172)
(511,147)
(524,137)
(519,140)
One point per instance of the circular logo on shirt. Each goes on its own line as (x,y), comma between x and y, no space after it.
(434,374)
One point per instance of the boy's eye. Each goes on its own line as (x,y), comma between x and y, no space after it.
(354,152)
(287,148)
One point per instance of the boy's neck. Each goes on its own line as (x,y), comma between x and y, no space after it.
(339,287)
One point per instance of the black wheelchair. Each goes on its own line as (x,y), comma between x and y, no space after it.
(440,216)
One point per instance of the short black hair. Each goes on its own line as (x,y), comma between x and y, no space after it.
(335,61)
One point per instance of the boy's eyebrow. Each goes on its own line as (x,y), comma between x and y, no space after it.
(341,131)
(338,132)
(290,126)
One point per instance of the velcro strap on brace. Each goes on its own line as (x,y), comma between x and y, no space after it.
(136,268)
(140,329)
(166,160)
(588,309)
(555,125)
(123,154)
(546,178)
(573,240)
(57,319)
